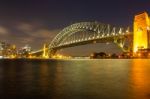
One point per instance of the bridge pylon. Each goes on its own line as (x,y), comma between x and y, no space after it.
(141,36)
(45,51)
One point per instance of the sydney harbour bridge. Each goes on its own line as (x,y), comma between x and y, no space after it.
(88,32)
(94,32)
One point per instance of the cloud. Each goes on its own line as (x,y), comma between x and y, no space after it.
(26,40)
(36,30)
(3,30)
(44,33)
(25,27)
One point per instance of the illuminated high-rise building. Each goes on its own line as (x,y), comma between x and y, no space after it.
(141,36)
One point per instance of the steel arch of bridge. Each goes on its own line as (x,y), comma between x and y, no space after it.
(90,31)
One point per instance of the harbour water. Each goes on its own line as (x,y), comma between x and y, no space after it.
(75,79)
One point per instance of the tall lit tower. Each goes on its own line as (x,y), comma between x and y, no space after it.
(141,35)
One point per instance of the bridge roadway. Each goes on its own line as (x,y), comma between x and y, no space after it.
(88,41)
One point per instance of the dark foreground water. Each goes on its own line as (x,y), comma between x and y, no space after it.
(75,79)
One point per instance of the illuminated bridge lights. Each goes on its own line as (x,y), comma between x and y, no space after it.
(127,31)
(89,38)
(113,33)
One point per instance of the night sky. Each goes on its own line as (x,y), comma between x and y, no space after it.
(35,22)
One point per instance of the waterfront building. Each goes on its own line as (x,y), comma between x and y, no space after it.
(5,49)
(24,51)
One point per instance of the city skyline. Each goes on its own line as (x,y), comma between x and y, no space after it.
(36,22)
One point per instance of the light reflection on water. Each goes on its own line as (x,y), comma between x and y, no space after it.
(75,79)
(140,79)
